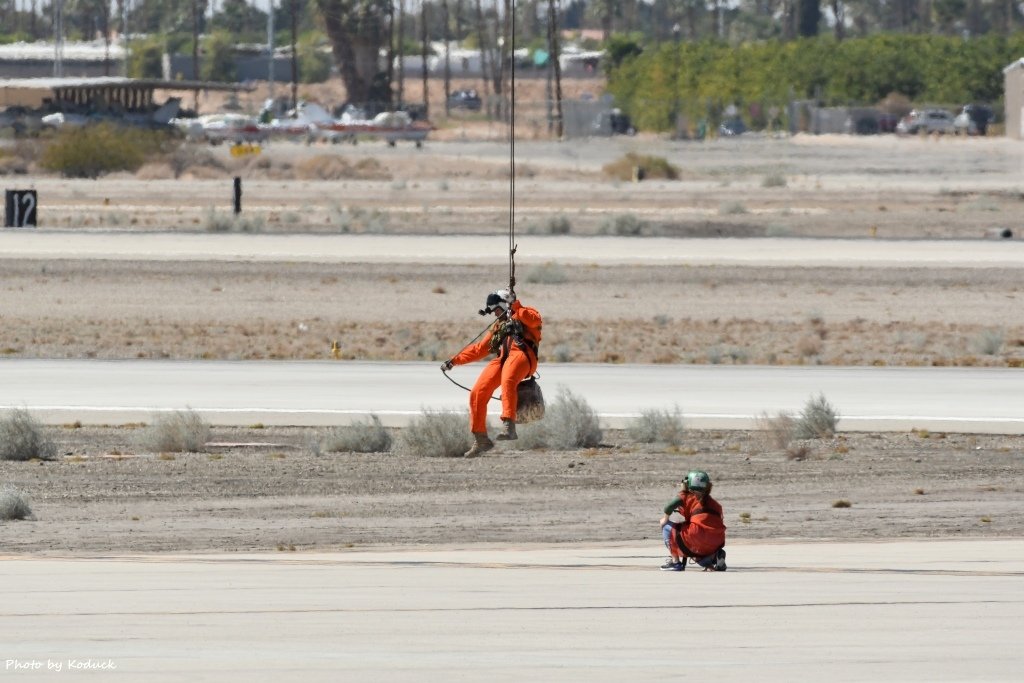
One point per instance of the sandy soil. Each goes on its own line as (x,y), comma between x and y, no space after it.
(665,314)
(105,494)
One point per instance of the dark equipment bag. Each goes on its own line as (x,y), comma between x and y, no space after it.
(530,402)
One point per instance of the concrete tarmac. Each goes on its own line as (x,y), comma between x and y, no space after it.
(493,249)
(901,611)
(312,393)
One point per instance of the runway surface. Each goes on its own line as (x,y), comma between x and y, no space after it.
(327,393)
(904,611)
(166,246)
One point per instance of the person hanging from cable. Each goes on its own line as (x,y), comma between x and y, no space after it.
(514,339)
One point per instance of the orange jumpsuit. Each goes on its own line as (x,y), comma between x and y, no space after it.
(513,364)
(703,532)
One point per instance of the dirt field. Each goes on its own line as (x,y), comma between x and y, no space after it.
(104,493)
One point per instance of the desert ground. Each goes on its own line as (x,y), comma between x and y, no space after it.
(267,489)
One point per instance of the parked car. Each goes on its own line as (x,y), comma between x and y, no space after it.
(465,99)
(613,122)
(973,119)
(732,127)
(926,121)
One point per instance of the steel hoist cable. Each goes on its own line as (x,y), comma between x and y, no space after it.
(511,18)
(512,151)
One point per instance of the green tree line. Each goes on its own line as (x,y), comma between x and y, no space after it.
(696,79)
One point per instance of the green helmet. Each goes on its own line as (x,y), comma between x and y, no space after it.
(698,481)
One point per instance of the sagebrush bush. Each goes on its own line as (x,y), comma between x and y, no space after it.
(653,167)
(358,437)
(182,431)
(988,342)
(558,225)
(547,273)
(223,221)
(13,504)
(624,225)
(333,167)
(818,419)
(569,423)
(435,434)
(778,430)
(188,157)
(775,179)
(22,437)
(657,426)
(732,208)
(95,150)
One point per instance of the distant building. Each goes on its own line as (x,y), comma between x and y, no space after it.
(80,60)
(1013,96)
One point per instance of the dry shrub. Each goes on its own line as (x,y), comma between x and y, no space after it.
(12,165)
(777,430)
(797,451)
(547,273)
(22,437)
(818,419)
(896,103)
(191,158)
(177,432)
(569,423)
(333,167)
(624,225)
(95,150)
(657,426)
(13,504)
(155,170)
(809,346)
(653,167)
(358,437)
(436,434)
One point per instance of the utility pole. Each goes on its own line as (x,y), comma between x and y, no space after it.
(447,59)
(553,51)
(295,56)
(124,36)
(270,50)
(508,58)
(423,54)
(481,39)
(58,38)
(195,52)
(106,40)
(391,55)
(401,54)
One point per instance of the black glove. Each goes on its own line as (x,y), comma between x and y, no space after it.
(446,366)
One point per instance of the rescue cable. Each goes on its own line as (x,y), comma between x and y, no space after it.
(511,181)
(512,154)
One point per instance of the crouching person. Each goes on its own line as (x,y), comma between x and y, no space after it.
(700,534)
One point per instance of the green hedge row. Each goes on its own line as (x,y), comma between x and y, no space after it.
(697,78)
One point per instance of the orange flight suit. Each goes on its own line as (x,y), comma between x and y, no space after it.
(514,363)
(703,532)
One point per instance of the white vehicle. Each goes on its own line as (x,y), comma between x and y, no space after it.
(926,121)
(973,119)
(217,128)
